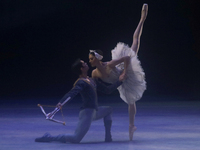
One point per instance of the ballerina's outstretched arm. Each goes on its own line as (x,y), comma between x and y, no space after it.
(114,62)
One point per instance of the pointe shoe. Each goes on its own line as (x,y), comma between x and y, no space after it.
(144,11)
(132,129)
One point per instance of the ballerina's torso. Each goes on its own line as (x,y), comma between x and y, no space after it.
(107,74)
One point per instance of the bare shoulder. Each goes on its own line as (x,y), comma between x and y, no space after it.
(94,73)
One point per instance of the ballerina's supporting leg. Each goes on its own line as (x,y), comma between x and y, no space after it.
(137,34)
(132,113)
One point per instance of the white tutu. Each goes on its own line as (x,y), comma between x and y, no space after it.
(134,86)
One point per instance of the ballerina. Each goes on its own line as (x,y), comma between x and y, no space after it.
(124,63)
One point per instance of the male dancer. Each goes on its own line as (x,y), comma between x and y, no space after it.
(89,111)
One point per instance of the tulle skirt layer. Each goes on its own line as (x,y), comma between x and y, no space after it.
(134,86)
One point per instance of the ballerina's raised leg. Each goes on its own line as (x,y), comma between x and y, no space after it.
(135,47)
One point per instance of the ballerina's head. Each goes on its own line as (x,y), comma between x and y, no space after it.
(95,56)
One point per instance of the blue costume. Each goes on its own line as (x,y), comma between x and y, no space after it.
(89,112)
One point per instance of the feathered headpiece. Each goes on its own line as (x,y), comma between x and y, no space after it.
(98,56)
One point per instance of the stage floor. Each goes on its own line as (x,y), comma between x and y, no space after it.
(161,125)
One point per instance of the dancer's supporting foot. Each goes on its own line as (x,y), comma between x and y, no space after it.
(132,129)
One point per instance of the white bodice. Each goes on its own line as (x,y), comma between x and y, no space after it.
(113,75)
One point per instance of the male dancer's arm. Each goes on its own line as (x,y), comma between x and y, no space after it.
(78,87)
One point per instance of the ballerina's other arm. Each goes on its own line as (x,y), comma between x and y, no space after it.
(125,59)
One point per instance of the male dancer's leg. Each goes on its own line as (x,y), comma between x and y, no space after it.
(105,112)
(85,118)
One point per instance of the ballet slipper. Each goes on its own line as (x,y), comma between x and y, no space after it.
(132,129)
(144,11)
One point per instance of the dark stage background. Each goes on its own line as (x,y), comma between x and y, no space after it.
(40,39)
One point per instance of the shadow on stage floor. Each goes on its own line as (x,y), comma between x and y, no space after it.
(162,123)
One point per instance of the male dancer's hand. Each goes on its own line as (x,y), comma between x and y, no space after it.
(59,105)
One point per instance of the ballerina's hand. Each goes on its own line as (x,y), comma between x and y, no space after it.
(122,77)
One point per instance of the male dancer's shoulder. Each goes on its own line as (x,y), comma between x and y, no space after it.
(79,81)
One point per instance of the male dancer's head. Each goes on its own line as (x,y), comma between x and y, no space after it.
(80,68)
